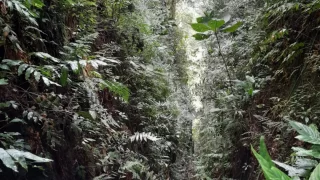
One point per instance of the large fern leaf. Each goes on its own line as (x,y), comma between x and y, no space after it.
(143,137)
(22,10)
(117,88)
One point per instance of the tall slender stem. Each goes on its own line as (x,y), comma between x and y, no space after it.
(224,61)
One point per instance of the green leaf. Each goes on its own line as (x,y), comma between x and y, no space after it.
(315,175)
(250,91)
(64,76)
(12,62)
(95,74)
(269,170)
(86,115)
(233,28)
(264,152)
(17,120)
(21,68)
(307,134)
(305,163)
(204,19)
(226,16)
(23,11)
(292,171)
(200,36)
(215,24)
(117,88)
(20,156)
(74,66)
(5,104)
(199,27)
(49,82)
(34,28)
(46,56)
(29,71)
(7,160)
(22,161)
(3,82)
(37,75)
(13,104)
(46,81)
(93,114)
(37,3)
(303,152)
(70,2)
(143,137)
(4,67)
(6,29)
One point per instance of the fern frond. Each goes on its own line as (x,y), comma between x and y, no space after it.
(117,88)
(143,137)
(22,10)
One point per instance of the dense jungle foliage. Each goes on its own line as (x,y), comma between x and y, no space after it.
(159,89)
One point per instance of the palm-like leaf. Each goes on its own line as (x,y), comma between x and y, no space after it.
(306,133)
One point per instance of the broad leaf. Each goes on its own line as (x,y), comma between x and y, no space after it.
(93,114)
(233,28)
(29,71)
(226,17)
(292,171)
(264,152)
(21,154)
(74,65)
(315,175)
(17,120)
(21,68)
(70,2)
(97,63)
(199,27)
(12,62)
(269,170)
(37,76)
(306,163)
(86,115)
(4,105)
(303,152)
(46,56)
(46,81)
(307,134)
(49,82)
(215,24)
(7,160)
(204,19)
(23,11)
(35,3)
(200,36)
(3,82)
(4,67)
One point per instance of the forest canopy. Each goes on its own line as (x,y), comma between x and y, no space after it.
(159,89)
